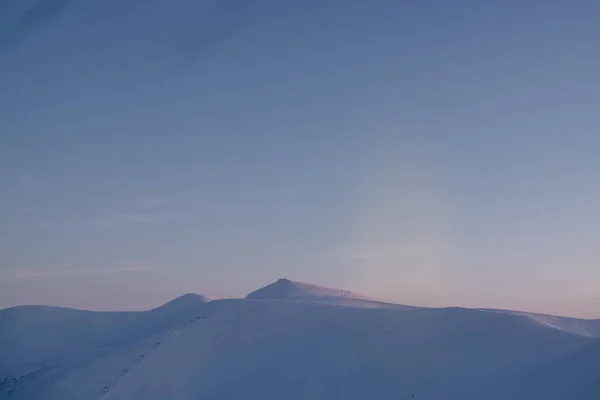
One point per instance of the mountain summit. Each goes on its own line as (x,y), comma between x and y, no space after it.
(288,289)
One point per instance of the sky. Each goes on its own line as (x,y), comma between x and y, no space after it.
(430,152)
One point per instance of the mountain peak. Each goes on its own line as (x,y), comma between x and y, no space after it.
(285,288)
(188,300)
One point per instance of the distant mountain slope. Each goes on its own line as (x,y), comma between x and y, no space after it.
(584,327)
(284,341)
(33,333)
(287,289)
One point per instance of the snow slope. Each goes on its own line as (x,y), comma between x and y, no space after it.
(574,376)
(585,327)
(46,343)
(290,344)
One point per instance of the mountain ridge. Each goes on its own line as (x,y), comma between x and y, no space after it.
(290,340)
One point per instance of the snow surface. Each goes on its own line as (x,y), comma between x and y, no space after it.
(287,341)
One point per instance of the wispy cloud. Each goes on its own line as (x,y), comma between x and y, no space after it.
(136,218)
(111,221)
(153,200)
(391,253)
(145,209)
(127,267)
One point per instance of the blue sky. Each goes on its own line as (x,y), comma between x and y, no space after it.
(431,153)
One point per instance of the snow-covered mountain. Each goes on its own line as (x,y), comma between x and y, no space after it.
(295,341)
(285,289)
